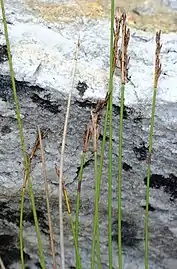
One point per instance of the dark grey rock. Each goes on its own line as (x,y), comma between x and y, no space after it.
(161,230)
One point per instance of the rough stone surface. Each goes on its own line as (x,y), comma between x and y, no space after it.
(43,56)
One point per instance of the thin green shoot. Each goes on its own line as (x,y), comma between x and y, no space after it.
(23,148)
(111,73)
(157,73)
(47,200)
(78,260)
(95,119)
(78,204)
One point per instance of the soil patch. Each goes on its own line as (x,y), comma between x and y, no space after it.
(149,15)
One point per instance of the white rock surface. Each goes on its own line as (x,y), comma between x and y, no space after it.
(43,56)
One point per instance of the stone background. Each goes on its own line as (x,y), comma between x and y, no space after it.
(43,51)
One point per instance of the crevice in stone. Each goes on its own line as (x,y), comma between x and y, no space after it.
(137,37)
(6,240)
(169,184)
(45,104)
(6,213)
(141,151)
(38,264)
(85,103)
(47,96)
(86,164)
(126,167)
(129,233)
(107,138)
(3,53)
(5,130)
(41,219)
(12,255)
(13,216)
(116,110)
(156,181)
(138,118)
(136,12)
(150,208)
(9,251)
(21,88)
(126,113)
(9,22)
(81,87)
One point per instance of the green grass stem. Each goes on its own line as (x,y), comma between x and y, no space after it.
(120,177)
(78,206)
(148,179)
(111,72)
(95,234)
(157,73)
(23,148)
(78,259)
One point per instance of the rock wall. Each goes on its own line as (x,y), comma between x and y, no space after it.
(43,56)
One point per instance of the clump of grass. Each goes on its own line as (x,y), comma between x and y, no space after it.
(157,73)
(116,56)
